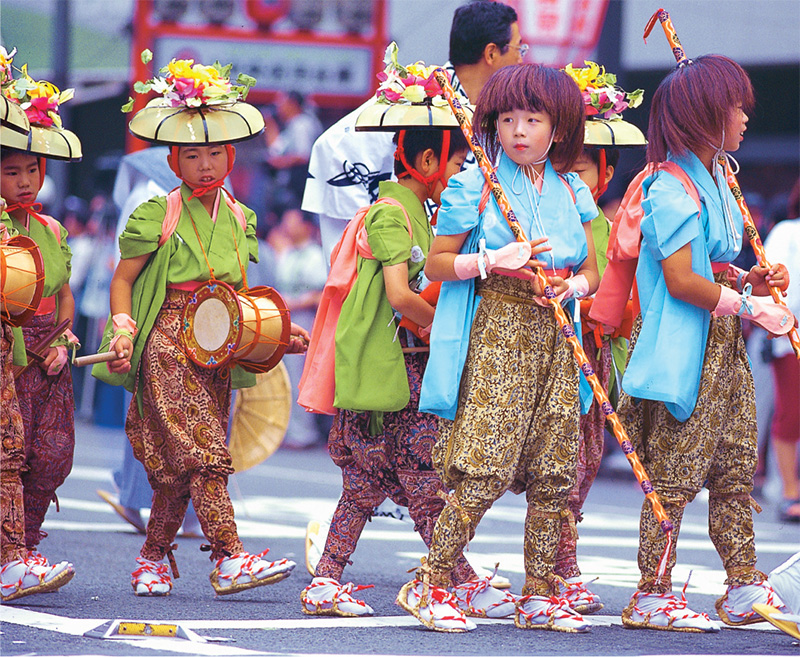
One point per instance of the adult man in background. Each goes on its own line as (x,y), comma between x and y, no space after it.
(346,166)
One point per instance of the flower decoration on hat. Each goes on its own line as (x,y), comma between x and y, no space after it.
(184,83)
(408,85)
(601,95)
(6,71)
(38,98)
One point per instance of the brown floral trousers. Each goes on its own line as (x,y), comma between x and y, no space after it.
(715,448)
(12,458)
(48,415)
(180,439)
(516,429)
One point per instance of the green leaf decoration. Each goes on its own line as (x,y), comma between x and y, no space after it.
(147,56)
(127,107)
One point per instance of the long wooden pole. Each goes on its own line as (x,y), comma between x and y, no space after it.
(566,326)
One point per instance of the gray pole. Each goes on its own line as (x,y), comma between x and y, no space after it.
(61,50)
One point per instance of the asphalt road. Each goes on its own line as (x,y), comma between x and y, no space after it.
(274,502)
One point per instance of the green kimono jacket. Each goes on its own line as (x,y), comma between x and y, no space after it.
(180,260)
(370,370)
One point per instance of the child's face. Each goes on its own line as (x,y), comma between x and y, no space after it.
(452,167)
(586,170)
(202,165)
(525,136)
(19,178)
(734,129)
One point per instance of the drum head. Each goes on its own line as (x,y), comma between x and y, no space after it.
(211,325)
(21,279)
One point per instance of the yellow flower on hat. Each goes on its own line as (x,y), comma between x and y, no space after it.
(583,76)
(180,68)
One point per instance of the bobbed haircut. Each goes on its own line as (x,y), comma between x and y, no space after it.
(476,25)
(533,88)
(693,103)
(419,140)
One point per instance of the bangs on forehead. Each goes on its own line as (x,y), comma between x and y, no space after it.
(533,88)
(520,94)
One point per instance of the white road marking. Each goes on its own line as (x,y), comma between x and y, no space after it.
(78,626)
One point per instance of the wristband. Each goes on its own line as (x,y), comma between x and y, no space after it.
(123,322)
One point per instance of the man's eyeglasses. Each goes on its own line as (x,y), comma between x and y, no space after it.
(523,49)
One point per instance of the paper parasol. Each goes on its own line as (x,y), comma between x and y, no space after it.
(260,418)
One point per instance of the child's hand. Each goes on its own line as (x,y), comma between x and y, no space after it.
(55,360)
(763,278)
(559,285)
(526,271)
(124,348)
(298,340)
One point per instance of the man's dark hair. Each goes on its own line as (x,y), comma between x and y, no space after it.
(476,25)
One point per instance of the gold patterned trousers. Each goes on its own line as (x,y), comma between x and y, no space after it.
(516,429)
(715,448)
(180,439)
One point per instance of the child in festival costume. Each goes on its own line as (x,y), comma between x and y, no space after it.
(44,390)
(605,133)
(500,374)
(19,574)
(688,403)
(180,437)
(386,451)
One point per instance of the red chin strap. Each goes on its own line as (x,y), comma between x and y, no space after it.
(436,176)
(201,190)
(602,184)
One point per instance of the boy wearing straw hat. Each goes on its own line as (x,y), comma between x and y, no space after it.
(605,133)
(19,574)
(44,390)
(178,418)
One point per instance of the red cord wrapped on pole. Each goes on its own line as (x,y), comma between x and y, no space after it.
(563,321)
(749,225)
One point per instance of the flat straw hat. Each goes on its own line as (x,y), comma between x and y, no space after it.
(408,97)
(198,106)
(612,133)
(51,142)
(604,103)
(39,101)
(13,117)
(11,114)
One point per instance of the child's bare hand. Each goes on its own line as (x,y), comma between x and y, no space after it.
(124,348)
(298,340)
(778,276)
(559,285)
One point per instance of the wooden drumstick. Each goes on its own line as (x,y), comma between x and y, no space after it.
(91,359)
